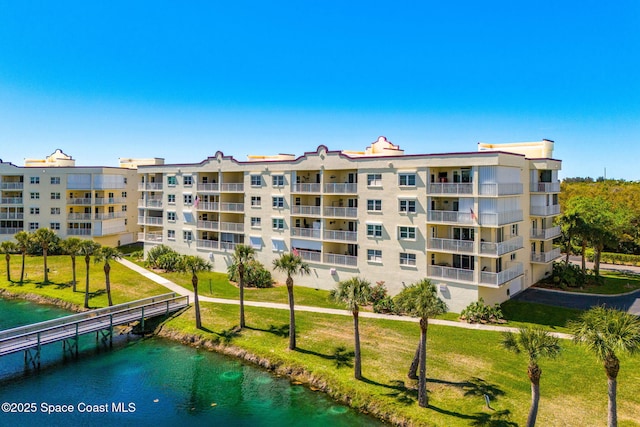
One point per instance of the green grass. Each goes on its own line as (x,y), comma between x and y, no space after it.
(520,314)
(615,283)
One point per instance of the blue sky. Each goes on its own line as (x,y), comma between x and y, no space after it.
(182,80)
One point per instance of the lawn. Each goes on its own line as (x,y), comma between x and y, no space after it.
(615,283)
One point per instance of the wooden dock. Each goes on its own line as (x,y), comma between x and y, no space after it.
(30,338)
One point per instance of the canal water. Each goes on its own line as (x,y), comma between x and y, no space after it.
(150,382)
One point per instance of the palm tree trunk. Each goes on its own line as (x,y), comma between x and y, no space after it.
(535,400)
(8,258)
(596,259)
(413,369)
(241,274)
(73,270)
(24,254)
(107,269)
(46,270)
(292,316)
(86,288)
(566,261)
(613,410)
(584,254)
(357,365)
(196,301)
(423,399)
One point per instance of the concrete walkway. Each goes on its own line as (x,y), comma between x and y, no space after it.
(279,306)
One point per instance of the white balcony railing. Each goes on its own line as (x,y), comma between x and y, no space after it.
(149,203)
(349,260)
(232,187)
(79,231)
(208,188)
(10,230)
(306,188)
(109,215)
(311,233)
(489,248)
(12,185)
(545,210)
(341,212)
(150,186)
(344,236)
(310,255)
(79,201)
(450,273)
(109,200)
(450,216)
(208,206)
(150,220)
(208,225)
(545,187)
(11,200)
(150,237)
(451,245)
(453,188)
(232,207)
(341,188)
(79,216)
(545,233)
(228,246)
(11,215)
(497,279)
(500,189)
(306,210)
(545,257)
(500,218)
(234,227)
(207,244)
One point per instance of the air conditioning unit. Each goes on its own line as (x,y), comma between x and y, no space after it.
(332,271)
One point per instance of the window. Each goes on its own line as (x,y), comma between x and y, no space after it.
(124,208)
(188,180)
(464,262)
(407,233)
(256,201)
(278,180)
(407,259)
(35,196)
(34,180)
(33,226)
(172,180)
(374,230)
(124,194)
(278,223)
(513,256)
(171,216)
(407,205)
(54,226)
(125,179)
(374,205)
(255,242)
(55,180)
(187,236)
(407,179)
(514,229)
(374,255)
(278,202)
(374,180)
(34,211)
(55,196)
(55,211)
(256,222)
(278,245)
(171,234)
(256,181)
(171,198)
(187,199)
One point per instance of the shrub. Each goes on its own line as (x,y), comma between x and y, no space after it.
(169,261)
(479,312)
(155,253)
(255,275)
(385,305)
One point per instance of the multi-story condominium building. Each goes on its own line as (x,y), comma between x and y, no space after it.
(88,202)
(478,224)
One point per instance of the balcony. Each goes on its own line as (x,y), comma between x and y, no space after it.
(150,186)
(208,206)
(109,200)
(232,207)
(150,203)
(10,230)
(208,188)
(79,201)
(451,245)
(309,233)
(500,218)
(306,210)
(451,189)
(343,236)
(208,225)
(450,273)
(306,188)
(11,200)
(310,256)
(348,188)
(207,244)
(232,187)
(150,237)
(78,231)
(348,260)
(11,215)
(497,249)
(450,216)
(228,246)
(501,189)
(150,220)
(545,187)
(234,227)
(545,257)
(341,212)
(109,215)
(12,185)
(546,233)
(497,279)
(545,210)
(79,216)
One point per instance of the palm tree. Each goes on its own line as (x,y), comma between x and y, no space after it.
(88,248)
(194,265)
(108,254)
(45,238)
(291,264)
(605,332)
(23,240)
(354,293)
(242,255)
(536,343)
(421,300)
(8,248)
(71,247)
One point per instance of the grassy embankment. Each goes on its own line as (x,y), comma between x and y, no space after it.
(463,365)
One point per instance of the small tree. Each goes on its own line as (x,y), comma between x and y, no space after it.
(291,264)
(44,237)
(8,248)
(71,246)
(23,240)
(536,343)
(108,254)
(354,293)
(607,332)
(242,255)
(194,264)
(88,248)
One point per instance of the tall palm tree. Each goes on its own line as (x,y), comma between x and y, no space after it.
(108,254)
(8,248)
(536,343)
(354,293)
(71,246)
(291,264)
(23,240)
(88,248)
(194,265)
(242,255)
(605,332)
(45,238)
(421,300)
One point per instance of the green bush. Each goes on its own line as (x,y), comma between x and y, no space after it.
(256,275)
(155,253)
(169,261)
(479,312)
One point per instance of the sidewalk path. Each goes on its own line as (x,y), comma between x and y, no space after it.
(279,306)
